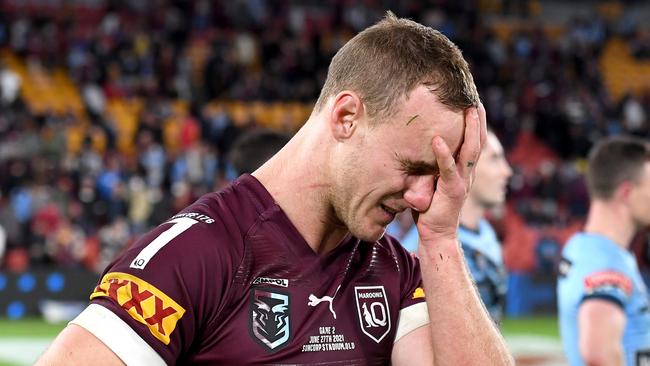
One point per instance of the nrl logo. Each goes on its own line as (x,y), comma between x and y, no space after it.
(269,318)
(373,311)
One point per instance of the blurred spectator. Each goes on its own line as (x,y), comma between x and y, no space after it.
(112,238)
(9,85)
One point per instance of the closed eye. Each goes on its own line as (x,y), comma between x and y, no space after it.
(417,167)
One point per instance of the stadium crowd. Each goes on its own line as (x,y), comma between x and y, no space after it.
(545,97)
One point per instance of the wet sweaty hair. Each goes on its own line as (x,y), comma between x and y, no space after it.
(613,161)
(386,61)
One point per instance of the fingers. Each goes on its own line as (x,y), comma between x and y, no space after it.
(474,139)
(483,124)
(444,159)
(475,135)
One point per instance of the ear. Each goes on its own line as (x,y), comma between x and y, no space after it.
(346,112)
(623,191)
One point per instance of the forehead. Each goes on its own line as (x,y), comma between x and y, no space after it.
(423,116)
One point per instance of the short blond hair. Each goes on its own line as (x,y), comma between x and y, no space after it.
(386,61)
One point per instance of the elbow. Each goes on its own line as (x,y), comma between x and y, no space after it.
(594,360)
(595,356)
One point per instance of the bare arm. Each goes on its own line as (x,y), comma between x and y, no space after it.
(418,340)
(457,315)
(461,332)
(76,346)
(600,326)
(99,337)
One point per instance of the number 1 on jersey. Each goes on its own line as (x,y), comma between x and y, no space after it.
(180,224)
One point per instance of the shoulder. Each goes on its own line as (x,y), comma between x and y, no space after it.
(210,233)
(238,206)
(487,230)
(592,253)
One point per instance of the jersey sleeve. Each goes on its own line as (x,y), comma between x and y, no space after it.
(611,285)
(166,290)
(413,306)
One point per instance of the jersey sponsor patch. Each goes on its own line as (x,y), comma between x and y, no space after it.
(144,302)
(271,281)
(606,280)
(373,311)
(418,293)
(269,322)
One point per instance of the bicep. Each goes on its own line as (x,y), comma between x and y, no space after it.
(414,348)
(98,331)
(600,325)
(77,346)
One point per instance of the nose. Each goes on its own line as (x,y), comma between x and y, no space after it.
(419,192)
(507,169)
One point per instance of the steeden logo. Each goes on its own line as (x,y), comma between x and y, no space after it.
(144,303)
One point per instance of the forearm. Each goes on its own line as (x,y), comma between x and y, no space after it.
(463,333)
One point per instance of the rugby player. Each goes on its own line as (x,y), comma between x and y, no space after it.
(290,265)
(480,244)
(602,299)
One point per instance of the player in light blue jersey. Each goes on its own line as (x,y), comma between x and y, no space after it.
(602,300)
(479,241)
(483,254)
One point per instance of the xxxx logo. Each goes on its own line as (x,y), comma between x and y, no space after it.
(144,302)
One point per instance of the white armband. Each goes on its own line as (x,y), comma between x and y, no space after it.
(118,336)
(411,318)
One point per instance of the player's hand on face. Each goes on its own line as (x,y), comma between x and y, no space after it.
(440,220)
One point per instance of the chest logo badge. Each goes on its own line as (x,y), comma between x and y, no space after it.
(373,311)
(269,318)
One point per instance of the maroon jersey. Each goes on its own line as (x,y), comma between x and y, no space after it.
(229,280)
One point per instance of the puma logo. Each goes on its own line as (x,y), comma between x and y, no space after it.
(314,301)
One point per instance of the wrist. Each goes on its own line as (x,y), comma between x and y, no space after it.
(445,246)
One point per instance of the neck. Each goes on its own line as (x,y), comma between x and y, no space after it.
(471,214)
(297,179)
(611,220)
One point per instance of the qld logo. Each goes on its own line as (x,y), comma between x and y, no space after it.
(269,318)
(373,311)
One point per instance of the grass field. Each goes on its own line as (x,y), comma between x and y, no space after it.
(540,326)
(22,341)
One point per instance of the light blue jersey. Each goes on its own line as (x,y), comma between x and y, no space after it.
(483,254)
(593,266)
